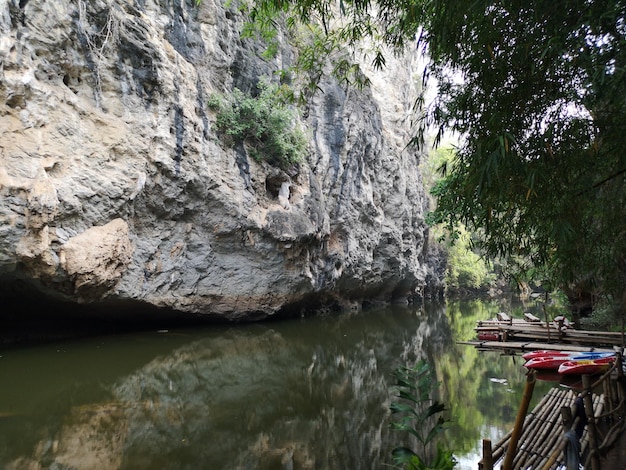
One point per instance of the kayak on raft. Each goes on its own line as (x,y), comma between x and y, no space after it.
(549,352)
(489,336)
(554,362)
(585,366)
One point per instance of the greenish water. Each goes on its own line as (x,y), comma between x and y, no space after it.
(310,393)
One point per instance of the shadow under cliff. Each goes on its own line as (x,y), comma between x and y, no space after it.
(28,316)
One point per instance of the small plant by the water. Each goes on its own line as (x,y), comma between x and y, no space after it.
(422,418)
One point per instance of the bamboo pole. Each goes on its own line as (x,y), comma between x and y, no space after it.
(515,345)
(551,442)
(598,407)
(557,452)
(568,410)
(545,312)
(591,425)
(584,441)
(517,429)
(549,435)
(537,433)
(619,384)
(533,424)
(546,441)
(499,449)
(487,462)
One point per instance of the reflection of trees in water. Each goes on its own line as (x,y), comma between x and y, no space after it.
(310,394)
(484,388)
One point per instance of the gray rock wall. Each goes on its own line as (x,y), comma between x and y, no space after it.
(114,185)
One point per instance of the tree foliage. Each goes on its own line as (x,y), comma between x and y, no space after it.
(539,100)
(535,89)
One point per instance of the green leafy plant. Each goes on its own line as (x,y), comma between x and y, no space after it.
(422,417)
(265,123)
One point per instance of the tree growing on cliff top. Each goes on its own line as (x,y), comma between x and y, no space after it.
(536,89)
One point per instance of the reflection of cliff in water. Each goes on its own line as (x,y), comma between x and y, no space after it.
(302,394)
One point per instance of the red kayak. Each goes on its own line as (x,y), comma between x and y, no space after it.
(489,336)
(546,362)
(585,366)
(547,352)
(555,361)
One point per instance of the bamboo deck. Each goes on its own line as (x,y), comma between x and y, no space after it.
(543,432)
(530,333)
(537,440)
(523,346)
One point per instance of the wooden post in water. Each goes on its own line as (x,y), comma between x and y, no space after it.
(591,423)
(566,416)
(545,314)
(619,384)
(487,462)
(519,421)
(568,423)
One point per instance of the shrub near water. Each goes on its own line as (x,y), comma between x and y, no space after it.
(265,124)
(422,418)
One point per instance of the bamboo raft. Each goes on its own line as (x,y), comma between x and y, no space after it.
(539,438)
(543,432)
(531,333)
(523,346)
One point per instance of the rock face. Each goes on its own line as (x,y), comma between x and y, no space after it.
(115,186)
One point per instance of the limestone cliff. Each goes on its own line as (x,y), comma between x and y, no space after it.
(114,185)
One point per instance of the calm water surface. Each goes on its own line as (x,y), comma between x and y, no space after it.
(311,393)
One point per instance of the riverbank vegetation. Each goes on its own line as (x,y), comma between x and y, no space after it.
(468,272)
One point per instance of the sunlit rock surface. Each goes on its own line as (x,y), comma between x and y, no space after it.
(115,187)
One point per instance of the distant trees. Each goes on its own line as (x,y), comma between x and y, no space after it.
(537,91)
(538,96)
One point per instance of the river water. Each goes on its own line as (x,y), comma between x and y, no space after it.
(310,393)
